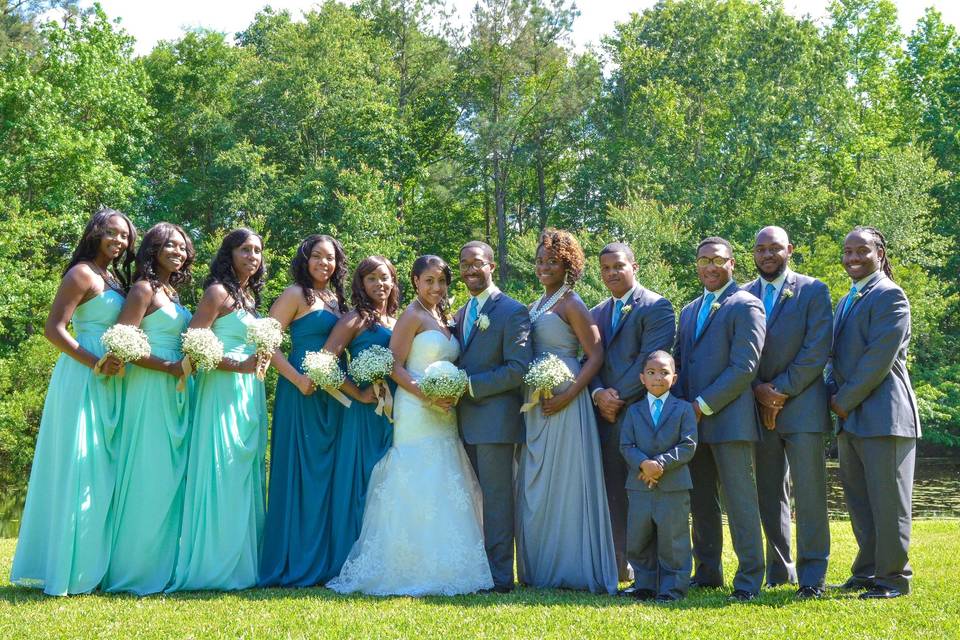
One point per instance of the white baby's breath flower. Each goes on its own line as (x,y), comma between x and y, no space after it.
(627,308)
(203,348)
(126,342)
(547,373)
(787,293)
(323,368)
(443,379)
(265,334)
(483,322)
(373,364)
(714,307)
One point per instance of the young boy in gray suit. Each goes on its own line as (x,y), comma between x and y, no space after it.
(657,439)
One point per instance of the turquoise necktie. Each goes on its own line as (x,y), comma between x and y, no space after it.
(617,312)
(704,312)
(849,302)
(657,408)
(471,319)
(768,299)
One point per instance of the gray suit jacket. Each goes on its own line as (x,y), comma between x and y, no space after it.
(721,364)
(672,443)
(648,327)
(868,369)
(496,360)
(795,352)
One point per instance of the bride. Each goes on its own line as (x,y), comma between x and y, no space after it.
(422,532)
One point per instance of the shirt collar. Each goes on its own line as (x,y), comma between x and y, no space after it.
(863,282)
(718,292)
(627,298)
(651,398)
(484,295)
(776,282)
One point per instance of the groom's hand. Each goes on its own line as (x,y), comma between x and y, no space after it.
(444,403)
(609,403)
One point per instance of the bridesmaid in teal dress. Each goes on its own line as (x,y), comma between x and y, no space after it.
(223,505)
(154,433)
(64,543)
(365,436)
(296,544)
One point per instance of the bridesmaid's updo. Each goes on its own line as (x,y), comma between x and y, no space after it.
(362,303)
(566,248)
(423,263)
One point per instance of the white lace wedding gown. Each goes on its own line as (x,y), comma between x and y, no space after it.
(422,528)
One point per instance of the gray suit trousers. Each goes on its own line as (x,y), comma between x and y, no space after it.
(493,464)
(615,479)
(726,470)
(877,478)
(658,541)
(808,474)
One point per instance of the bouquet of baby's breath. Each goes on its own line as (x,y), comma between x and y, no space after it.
(443,379)
(127,342)
(265,334)
(324,369)
(373,365)
(202,351)
(546,373)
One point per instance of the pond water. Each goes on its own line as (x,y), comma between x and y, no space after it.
(936,494)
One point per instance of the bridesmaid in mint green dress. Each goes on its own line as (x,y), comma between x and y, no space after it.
(154,433)
(223,505)
(65,536)
(364,436)
(306,422)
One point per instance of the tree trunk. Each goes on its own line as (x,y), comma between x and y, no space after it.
(499,198)
(541,189)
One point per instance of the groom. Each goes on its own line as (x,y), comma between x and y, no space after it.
(493,331)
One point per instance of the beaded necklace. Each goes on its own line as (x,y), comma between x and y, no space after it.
(543,306)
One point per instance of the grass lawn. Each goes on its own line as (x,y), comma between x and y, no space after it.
(931,611)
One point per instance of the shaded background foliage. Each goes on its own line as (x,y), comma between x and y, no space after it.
(386,125)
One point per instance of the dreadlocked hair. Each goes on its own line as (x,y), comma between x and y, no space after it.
(300,269)
(881,243)
(221,270)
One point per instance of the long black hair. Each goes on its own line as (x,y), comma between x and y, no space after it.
(150,246)
(365,307)
(880,243)
(423,263)
(300,269)
(89,246)
(221,269)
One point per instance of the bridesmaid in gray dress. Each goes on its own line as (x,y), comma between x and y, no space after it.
(564,538)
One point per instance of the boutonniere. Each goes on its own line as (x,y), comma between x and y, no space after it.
(714,307)
(627,308)
(451,323)
(857,296)
(787,294)
(483,322)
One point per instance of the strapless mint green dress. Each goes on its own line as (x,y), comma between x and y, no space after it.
(223,506)
(65,536)
(151,465)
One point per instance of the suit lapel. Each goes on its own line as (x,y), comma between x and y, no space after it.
(706,325)
(458,323)
(857,303)
(788,285)
(487,308)
(623,316)
(606,315)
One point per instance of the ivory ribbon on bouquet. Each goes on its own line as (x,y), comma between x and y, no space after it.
(338,396)
(535,398)
(384,400)
(103,360)
(187,370)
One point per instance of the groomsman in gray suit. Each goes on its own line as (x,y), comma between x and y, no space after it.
(495,351)
(878,423)
(718,351)
(794,410)
(634,322)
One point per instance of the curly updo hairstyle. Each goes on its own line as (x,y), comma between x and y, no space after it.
(89,246)
(221,269)
(300,269)
(364,306)
(423,263)
(150,248)
(567,250)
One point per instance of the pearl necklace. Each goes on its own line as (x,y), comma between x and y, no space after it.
(543,306)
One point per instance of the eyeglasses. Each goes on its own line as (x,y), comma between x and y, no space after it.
(717,261)
(476,264)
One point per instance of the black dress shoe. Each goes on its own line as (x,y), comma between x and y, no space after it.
(739,595)
(664,597)
(697,584)
(880,593)
(638,594)
(854,583)
(809,593)
(503,588)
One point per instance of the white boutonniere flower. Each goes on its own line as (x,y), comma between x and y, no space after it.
(857,296)
(787,294)
(483,322)
(451,323)
(627,308)
(714,307)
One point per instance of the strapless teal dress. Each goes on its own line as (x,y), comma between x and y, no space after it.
(65,534)
(296,543)
(151,465)
(223,505)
